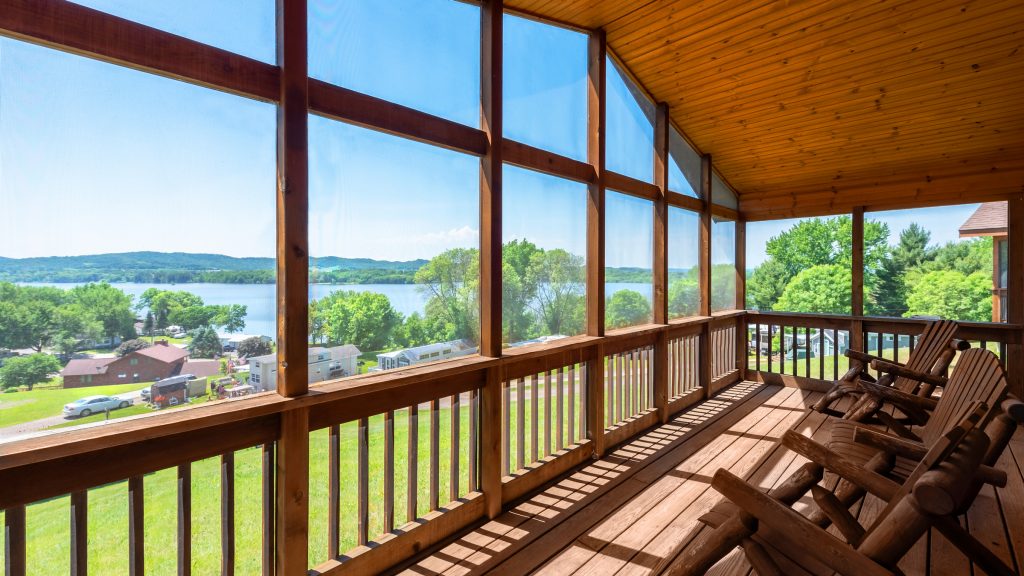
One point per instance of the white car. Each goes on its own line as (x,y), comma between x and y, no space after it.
(94,405)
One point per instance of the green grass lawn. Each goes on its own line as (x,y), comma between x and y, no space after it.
(19,407)
(48,521)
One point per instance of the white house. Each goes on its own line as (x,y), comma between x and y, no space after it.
(831,346)
(324,364)
(425,353)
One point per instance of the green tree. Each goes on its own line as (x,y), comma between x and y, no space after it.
(205,343)
(366,319)
(28,316)
(518,289)
(109,305)
(451,282)
(129,346)
(27,370)
(149,324)
(822,289)
(252,347)
(912,250)
(953,295)
(683,297)
(414,331)
(559,302)
(627,308)
(231,317)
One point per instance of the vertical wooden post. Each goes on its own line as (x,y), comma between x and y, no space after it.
(704,280)
(1015,292)
(857,288)
(490,177)
(661,160)
(14,541)
(292,468)
(292,201)
(136,527)
(596,73)
(741,297)
(79,533)
(490,441)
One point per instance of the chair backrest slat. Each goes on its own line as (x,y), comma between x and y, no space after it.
(936,337)
(978,377)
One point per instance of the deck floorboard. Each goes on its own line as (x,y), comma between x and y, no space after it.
(632,511)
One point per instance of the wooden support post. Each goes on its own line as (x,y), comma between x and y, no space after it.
(596,70)
(741,297)
(14,542)
(136,527)
(491,424)
(704,280)
(490,177)
(79,533)
(292,201)
(857,288)
(292,471)
(1015,293)
(661,231)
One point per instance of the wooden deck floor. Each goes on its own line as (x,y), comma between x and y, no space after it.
(626,513)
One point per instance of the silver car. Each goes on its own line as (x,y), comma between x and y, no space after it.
(94,405)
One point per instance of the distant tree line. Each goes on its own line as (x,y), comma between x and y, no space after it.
(808,269)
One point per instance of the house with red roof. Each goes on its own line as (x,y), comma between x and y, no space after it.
(159,361)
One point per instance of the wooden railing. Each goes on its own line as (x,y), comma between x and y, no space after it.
(392,462)
(807,349)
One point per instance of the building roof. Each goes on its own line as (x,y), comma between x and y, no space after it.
(86,367)
(416,352)
(201,368)
(346,351)
(990,219)
(164,352)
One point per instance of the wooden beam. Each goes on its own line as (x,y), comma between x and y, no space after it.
(368,111)
(292,201)
(661,232)
(704,264)
(683,201)
(79,30)
(1015,293)
(741,297)
(527,156)
(631,186)
(292,479)
(596,72)
(857,273)
(490,177)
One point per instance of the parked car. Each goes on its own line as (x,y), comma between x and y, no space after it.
(94,405)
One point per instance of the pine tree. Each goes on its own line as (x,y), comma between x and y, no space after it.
(912,251)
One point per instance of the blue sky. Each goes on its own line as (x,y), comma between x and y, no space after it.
(98,158)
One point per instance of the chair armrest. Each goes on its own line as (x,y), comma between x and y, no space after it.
(852,471)
(889,443)
(897,370)
(865,357)
(899,398)
(788,523)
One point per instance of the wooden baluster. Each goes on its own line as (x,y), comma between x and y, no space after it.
(878,347)
(521,424)
(984,345)
(769,348)
(630,381)
(757,347)
(913,341)
(548,439)
(269,508)
(621,375)
(227,514)
(535,418)
(506,430)
(79,533)
(435,453)
(835,352)
(14,541)
(363,482)
(334,491)
(185,519)
(412,464)
(389,471)
(582,375)
(474,424)
(572,404)
(609,389)
(560,406)
(807,352)
(136,527)
(456,443)
(821,353)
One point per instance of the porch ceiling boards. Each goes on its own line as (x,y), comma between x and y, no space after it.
(816,106)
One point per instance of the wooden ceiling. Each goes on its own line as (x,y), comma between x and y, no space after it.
(816,106)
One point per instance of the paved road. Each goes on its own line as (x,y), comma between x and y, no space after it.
(24,428)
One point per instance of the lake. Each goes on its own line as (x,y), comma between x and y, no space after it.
(259,298)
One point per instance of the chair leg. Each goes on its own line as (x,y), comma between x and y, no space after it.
(699,556)
(760,559)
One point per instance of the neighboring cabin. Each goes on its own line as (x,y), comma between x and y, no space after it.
(425,353)
(159,361)
(990,219)
(324,364)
